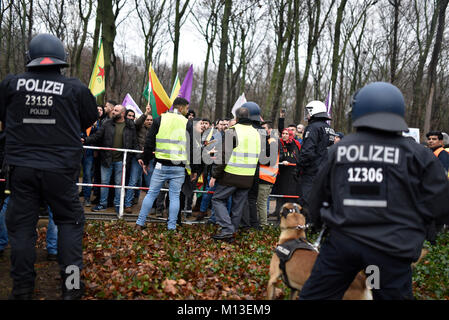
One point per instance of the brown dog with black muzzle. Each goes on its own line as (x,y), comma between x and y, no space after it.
(299,266)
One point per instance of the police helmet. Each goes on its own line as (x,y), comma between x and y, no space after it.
(316,109)
(379,105)
(445,138)
(46,50)
(254,110)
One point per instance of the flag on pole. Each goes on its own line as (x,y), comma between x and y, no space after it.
(159,100)
(150,97)
(130,104)
(328,102)
(97,81)
(240,101)
(175,89)
(186,88)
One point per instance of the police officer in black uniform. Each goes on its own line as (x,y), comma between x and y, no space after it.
(377,194)
(318,136)
(44,113)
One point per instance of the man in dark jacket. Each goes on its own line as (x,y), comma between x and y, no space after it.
(317,138)
(44,113)
(240,154)
(377,194)
(119,133)
(436,144)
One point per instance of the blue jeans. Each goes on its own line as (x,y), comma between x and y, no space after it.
(106,177)
(207,197)
(175,177)
(52,234)
(52,230)
(134,178)
(87,163)
(3,230)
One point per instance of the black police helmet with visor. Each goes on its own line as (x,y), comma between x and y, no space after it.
(253,109)
(379,105)
(46,50)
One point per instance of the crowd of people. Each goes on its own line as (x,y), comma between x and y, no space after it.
(297,164)
(380,194)
(117,127)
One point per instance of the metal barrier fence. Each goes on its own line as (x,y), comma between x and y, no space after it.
(123,187)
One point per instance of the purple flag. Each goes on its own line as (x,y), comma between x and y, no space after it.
(186,87)
(129,103)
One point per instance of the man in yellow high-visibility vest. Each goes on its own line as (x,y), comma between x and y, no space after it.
(167,142)
(241,149)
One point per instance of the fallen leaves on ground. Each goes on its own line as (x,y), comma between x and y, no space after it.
(123,263)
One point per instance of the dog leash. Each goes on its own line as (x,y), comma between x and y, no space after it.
(317,242)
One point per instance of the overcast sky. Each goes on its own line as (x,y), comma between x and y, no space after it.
(192,48)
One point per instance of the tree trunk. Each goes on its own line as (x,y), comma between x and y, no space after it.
(224,42)
(205,76)
(108,38)
(270,107)
(79,51)
(283,66)
(177,29)
(442,5)
(417,110)
(98,21)
(336,57)
(394,56)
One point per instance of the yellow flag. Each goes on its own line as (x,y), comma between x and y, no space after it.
(162,101)
(97,81)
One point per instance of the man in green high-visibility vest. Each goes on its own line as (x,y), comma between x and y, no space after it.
(169,141)
(241,149)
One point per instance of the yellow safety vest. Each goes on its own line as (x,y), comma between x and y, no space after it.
(171,138)
(244,158)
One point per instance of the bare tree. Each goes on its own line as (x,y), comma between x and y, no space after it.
(175,32)
(224,43)
(206,22)
(151,15)
(283,16)
(316,23)
(442,6)
(396,4)
(85,17)
(423,42)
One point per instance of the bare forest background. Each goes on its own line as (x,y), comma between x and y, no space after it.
(280,53)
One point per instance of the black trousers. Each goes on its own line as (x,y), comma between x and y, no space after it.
(305,185)
(341,258)
(250,219)
(29,187)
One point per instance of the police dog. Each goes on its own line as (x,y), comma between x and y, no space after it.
(299,267)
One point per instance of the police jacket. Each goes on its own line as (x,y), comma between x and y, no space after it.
(104,137)
(382,190)
(44,113)
(314,147)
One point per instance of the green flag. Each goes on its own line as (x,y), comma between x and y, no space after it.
(148,94)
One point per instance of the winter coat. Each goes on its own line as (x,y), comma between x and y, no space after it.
(104,137)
